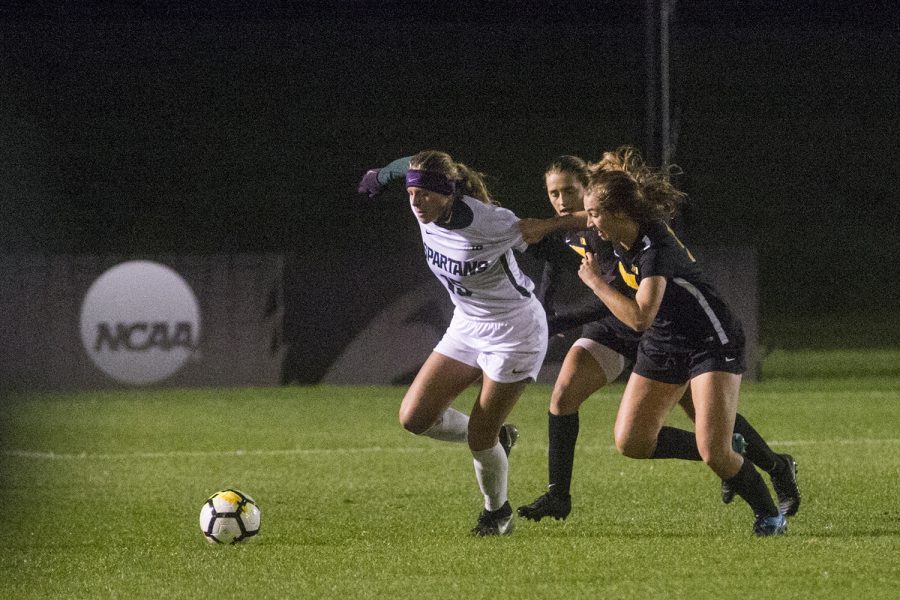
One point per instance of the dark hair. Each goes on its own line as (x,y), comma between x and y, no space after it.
(567,163)
(468,181)
(624,183)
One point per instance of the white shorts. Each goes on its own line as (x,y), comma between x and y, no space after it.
(507,350)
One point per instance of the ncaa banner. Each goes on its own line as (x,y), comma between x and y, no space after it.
(90,322)
(140,322)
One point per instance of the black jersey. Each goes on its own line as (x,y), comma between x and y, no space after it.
(590,241)
(558,275)
(562,253)
(692,315)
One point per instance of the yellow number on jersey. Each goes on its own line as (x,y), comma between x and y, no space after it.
(630,279)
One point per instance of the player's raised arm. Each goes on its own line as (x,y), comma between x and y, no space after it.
(534,230)
(375,180)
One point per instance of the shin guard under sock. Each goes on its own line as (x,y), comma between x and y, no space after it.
(562,433)
(758,450)
(749,485)
(451,426)
(492,472)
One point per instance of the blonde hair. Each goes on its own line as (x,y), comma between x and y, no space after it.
(468,181)
(624,183)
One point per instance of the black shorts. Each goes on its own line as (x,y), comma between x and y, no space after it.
(681,365)
(615,335)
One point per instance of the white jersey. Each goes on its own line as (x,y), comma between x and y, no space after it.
(472,256)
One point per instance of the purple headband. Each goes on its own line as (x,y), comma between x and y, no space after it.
(429,180)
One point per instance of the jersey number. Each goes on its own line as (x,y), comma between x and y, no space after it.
(456,287)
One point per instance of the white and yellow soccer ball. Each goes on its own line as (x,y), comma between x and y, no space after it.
(228,517)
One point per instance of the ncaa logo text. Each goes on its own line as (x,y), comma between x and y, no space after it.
(140,322)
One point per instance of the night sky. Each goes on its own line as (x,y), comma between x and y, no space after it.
(245,127)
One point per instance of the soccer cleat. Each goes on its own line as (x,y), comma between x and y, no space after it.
(739,444)
(508,436)
(494,522)
(547,505)
(784,480)
(766,526)
(727,493)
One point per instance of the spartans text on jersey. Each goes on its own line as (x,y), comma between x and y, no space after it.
(452,266)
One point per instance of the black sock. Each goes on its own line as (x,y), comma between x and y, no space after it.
(749,485)
(676,443)
(758,450)
(562,431)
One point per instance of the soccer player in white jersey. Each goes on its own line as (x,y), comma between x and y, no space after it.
(498,332)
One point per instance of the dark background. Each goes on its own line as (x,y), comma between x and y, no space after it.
(198,128)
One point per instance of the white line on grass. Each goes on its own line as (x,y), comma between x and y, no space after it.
(49,455)
(200,453)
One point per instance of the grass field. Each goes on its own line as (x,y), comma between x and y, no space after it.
(102,493)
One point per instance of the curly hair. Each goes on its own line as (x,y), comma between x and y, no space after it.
(623,182)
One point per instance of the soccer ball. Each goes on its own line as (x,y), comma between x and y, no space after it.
(229,517)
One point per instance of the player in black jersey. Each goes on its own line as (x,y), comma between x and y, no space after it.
(606,345)
(690,337)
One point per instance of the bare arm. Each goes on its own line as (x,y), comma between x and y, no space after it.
(534,230)
(639,312)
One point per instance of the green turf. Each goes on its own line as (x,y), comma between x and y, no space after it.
(102,493)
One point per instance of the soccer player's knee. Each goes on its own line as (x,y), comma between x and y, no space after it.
(412,423)
(717,461)
(479,437)
(634,446)
(562,401)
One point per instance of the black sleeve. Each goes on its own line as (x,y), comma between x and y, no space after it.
(560,259)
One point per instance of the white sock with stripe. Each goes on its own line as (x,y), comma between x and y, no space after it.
(492,472)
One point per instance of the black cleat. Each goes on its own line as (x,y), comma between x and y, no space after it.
(494,522)
(547,505)
(727,493)
(784,480)
(766,526)
(739,444)
(508,436)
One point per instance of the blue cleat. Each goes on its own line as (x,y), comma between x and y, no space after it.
(765,525)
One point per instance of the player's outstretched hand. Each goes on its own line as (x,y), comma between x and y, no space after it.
(369,184)
(534,230)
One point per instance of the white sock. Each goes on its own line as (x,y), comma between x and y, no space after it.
(492,471)
(451,426)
